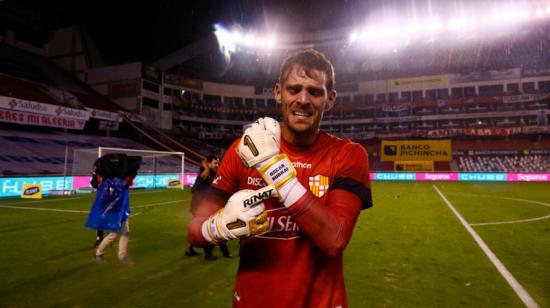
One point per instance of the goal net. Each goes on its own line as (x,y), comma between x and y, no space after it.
(158,169)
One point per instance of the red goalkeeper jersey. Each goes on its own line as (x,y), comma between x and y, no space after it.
(284,267)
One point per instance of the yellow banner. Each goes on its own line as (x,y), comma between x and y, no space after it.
(418,83)
(416,150)
(32,191)
(174,183)
(413,166)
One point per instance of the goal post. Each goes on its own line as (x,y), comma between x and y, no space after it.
(158,168)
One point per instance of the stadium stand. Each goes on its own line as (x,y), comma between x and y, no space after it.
(38,97)
(43,153)
(532,163)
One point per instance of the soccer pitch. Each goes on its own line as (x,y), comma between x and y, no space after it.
(409,250)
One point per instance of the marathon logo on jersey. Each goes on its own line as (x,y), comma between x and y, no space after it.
(281,225)
(319,185)
(257,198)
(301,165)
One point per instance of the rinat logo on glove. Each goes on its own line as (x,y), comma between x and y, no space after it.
(243,216)
(258,198)
(248,142)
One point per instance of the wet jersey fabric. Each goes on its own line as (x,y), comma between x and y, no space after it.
(283,268)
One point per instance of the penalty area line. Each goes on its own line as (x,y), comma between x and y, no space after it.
(516,286)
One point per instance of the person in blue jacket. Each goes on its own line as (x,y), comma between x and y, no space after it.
(111,207)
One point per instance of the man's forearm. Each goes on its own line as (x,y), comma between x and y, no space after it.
(209,202)
(329,227)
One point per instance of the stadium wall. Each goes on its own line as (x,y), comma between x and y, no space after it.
(12,187)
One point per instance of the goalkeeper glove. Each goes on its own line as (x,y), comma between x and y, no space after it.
(259,147)
(243,216)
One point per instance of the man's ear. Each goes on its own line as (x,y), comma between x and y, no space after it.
(330,100)
(277,92)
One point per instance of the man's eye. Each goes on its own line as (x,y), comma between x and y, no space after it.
(316,92)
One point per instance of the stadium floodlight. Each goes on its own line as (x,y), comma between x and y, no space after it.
(353,37)
(231,40)
(496,17)
(225,40)
(524,15)
(392,34)
(413,30)
(248,40)
(433,26)
(271,41)
(457,24)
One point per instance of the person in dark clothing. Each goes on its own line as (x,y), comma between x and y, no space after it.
(206,175)
(95,181)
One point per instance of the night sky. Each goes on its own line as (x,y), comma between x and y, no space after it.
(146,31)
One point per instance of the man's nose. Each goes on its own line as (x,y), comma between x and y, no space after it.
(303,97)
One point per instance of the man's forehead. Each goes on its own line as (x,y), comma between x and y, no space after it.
(298,73)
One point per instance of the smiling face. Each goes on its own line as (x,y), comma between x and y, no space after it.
(304,98)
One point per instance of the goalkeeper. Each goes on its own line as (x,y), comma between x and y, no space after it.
(291,194)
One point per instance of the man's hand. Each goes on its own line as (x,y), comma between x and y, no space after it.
(243,216)
(259,147)
(260,142)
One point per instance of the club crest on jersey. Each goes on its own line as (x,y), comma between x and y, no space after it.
(318,185)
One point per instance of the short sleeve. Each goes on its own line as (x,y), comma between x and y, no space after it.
(353,173)
(227,177)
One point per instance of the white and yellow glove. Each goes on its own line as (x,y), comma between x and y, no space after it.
(259,147)
(243,216)
(260,142)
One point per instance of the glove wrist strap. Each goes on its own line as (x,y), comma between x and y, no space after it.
(211,229)
(291,192)
(279,172)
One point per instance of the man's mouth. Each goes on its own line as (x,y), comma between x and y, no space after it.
(301,114)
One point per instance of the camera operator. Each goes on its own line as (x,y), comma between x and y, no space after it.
(111,208)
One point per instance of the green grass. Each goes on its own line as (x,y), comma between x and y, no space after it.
(409,250)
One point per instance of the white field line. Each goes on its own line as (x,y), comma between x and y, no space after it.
(506,198)
(160,203)
(41,209)
(78,211)
(503,198)
(42,201)
(516,286)
(511,221)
